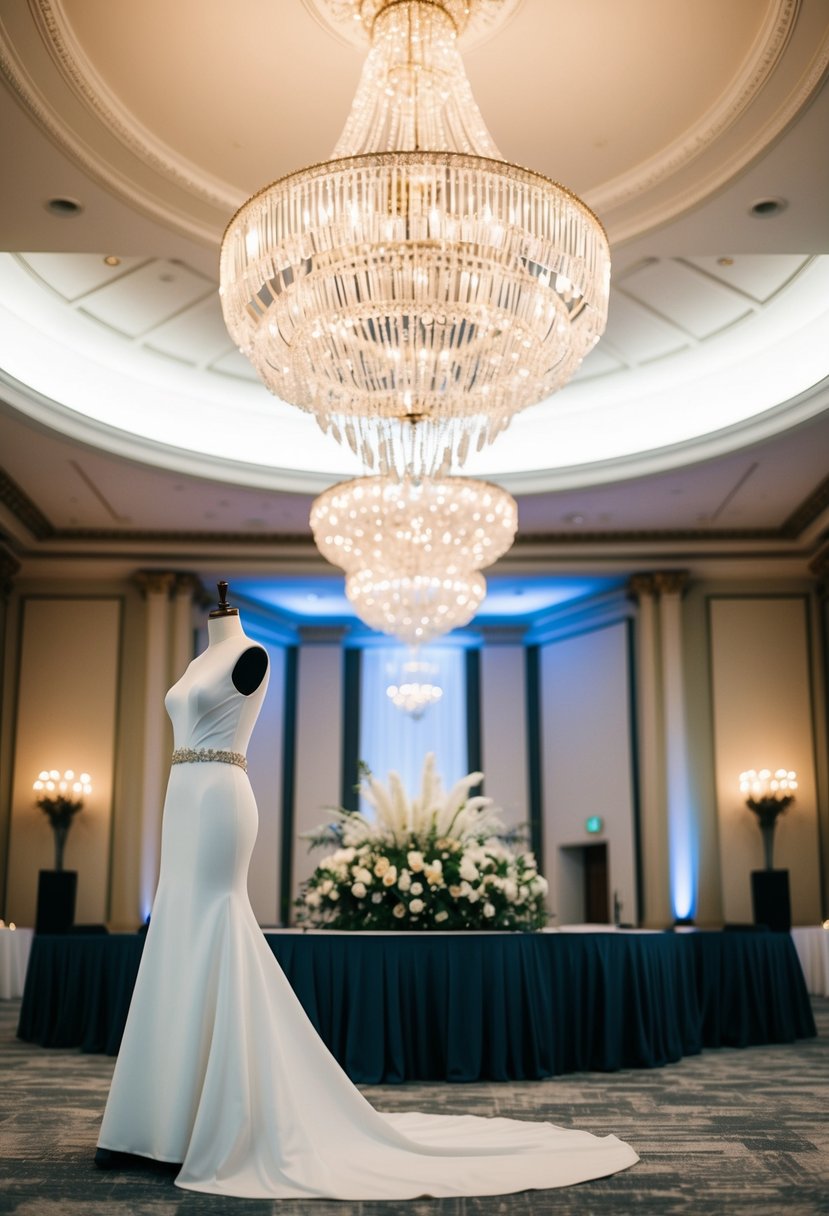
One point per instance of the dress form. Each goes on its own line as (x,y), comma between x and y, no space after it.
(220,1069)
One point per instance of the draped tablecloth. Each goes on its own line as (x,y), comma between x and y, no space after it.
(15,945)
(471,1006)
(812,946)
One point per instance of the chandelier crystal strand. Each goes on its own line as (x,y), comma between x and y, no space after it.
(417,290)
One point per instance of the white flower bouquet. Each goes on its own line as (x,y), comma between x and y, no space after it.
(436,861)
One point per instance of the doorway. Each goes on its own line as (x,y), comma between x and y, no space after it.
(584,896)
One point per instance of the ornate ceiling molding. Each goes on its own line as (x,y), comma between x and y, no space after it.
(681,175)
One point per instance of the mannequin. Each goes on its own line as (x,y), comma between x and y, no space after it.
(220,1069)
(222,624)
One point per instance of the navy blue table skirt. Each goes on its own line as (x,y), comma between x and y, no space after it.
(474,1006)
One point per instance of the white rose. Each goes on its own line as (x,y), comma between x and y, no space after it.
(416,906)
(390,876)
(489,909)
(399,910)
(510,888)
(538,886)
(468,870)
(416,888)
(335,895)
(325,886)
(361,874)
(405,880)
(441,916)
(313,899)
(358,889)
(415,860)
(380,866)
(377,897)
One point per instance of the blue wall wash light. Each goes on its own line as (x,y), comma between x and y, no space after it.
(593,824)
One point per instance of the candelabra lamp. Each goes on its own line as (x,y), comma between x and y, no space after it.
(60,796)
(768,794)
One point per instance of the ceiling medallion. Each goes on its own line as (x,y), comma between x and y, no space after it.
(416,290)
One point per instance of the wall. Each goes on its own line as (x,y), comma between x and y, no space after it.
(504,730)
(67,702)
(587,763)
(763,717)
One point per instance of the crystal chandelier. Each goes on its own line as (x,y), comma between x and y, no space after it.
(411,526)
(416,290)
(415,690)
(412,550)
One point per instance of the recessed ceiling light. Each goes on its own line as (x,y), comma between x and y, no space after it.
(63,206)
(574,519)
(112,260)
(725,261)
(765,207)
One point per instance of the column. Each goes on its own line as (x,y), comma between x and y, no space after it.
(683,820)
(655,908)
(156,587)
(9,566)
(187,588)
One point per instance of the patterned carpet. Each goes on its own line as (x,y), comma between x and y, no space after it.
(726,1132)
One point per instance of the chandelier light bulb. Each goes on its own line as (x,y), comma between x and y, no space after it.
(417,290)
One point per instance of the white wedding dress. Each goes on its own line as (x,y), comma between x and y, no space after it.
(221,1070)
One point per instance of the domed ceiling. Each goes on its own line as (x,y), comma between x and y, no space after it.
(696,130)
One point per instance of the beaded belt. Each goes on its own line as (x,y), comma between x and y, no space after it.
(195,755)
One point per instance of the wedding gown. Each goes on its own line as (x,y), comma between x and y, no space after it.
(220,1068)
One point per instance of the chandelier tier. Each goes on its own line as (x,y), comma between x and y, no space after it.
(416,688)
(409,527)
(417,290)
(416,608)
(412,549)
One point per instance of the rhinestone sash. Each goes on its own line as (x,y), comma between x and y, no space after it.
(195,755)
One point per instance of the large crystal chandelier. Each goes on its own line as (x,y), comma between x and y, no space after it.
(413,550)
(416,290)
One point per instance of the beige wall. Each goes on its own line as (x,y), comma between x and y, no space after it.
(586,755)
(66,718)
(763,717)
(754,680)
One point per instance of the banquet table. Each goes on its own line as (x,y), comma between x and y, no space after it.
(812,946)
(15,945)
(471,1006)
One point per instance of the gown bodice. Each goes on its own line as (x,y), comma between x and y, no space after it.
(206,709)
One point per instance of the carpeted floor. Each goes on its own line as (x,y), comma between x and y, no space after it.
(726,1132)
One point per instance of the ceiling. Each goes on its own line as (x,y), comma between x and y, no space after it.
(129,425)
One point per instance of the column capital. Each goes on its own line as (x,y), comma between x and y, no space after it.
(154,582)
(641,585)
(671,582)
(190,584)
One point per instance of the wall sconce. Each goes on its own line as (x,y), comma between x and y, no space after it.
(768,794)
(60,797)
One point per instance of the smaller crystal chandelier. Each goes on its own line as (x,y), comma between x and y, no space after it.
(412,550)
(415,608)
(416,689)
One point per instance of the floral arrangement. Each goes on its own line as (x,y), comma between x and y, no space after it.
(436,861)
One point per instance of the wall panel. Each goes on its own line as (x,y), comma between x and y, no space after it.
(67,708)
(586,756)
(762,701)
